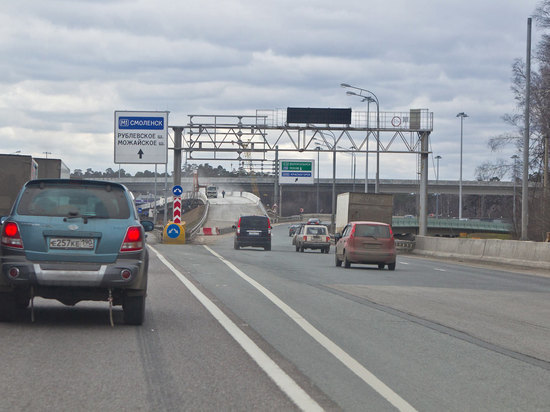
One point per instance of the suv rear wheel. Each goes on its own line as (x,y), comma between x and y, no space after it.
(7,307)
(134,309)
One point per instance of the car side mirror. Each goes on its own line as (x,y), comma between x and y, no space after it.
(337,236)
(147,225)
(234,227)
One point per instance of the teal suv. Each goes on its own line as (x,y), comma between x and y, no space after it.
(74,240)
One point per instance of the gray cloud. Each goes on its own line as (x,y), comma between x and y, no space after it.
(68,65)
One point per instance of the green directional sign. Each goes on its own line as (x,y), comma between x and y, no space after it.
(296,172)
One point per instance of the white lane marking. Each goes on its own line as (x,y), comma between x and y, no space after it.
(281,379)
(368,377)
(440,270)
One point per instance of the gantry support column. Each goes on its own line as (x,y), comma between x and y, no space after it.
(423,195)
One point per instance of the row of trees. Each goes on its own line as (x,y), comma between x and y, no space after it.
(539,130)
(204,170)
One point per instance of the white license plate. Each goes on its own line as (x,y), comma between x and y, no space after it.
(71,243)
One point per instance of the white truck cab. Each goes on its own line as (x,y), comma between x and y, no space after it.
(211,191)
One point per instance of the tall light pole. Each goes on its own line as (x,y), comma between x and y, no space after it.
(369,101)
(364,98)
(462,115)
(318,148)
(353,167)
(514,178)
(438,158)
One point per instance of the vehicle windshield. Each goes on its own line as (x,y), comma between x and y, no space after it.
(69,199)
(254,222)
(372,231)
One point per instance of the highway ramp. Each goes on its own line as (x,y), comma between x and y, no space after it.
(224,212)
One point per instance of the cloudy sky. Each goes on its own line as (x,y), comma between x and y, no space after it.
(67,65)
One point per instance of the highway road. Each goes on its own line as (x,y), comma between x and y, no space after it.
(279,330)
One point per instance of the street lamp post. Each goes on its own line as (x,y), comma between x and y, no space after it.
(318,148)
(514,178)
(353,167)
(462,115)
(333,211)
(369,99)
(438,158)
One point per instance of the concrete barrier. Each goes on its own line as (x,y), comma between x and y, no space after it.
(209,231)
(508,252)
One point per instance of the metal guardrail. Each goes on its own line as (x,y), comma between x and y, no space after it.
(456,224)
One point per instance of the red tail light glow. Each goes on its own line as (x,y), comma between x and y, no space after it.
(11,236)
(239,227)
(133,240)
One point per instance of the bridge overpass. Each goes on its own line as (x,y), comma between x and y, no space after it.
(265,184)
(294,197)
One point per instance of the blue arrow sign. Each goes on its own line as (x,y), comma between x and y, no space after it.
(177,190)
(173,231)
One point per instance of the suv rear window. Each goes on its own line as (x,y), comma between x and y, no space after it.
(62,199)
(254,222)
(316,230)
(372,230)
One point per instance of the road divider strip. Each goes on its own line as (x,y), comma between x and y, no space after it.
(363,373)
(300,397)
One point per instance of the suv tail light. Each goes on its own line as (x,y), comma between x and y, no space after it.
(239,227)
(268,226)
(133,240)
(11,236)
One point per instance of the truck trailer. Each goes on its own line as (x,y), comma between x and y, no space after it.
(357,206)
(15,171)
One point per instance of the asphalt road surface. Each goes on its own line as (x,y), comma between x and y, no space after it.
(279,330)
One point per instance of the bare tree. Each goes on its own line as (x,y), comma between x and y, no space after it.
(539,128)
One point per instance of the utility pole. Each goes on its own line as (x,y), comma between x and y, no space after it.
(525,182)
(276,187)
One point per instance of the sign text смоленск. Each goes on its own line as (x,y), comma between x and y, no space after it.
(141,137)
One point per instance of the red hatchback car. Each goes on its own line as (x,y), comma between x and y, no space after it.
(366,242)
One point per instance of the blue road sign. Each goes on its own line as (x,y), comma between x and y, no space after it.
(177,190)
(173,231)
(140,210)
